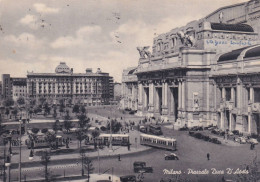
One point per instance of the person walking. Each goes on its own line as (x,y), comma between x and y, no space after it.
(208,156)
(119,157)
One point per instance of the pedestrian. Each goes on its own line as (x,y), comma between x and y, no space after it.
(208,156)
(119,157)
(251,146)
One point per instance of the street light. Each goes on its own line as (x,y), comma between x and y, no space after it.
(8,164)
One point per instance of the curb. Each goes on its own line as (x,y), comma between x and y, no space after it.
(73,160)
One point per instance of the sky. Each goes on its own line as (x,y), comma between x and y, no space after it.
(38,35)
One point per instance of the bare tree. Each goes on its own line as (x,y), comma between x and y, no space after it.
(45,160)
(88,165)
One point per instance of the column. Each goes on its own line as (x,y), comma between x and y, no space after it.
(230,121)
(151,96)
(223,93)
(183,95)
(166,93)
(252,94)
(232,94)
(179,95)
(222,120)
(249,122)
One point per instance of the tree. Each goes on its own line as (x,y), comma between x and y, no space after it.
(80,134)
(47,109)
(95,133)
(88,165)
(42,100)
(20,101)
(8,102)
(67,123)
(2,129)
(15,112)
(82,109)
(83,120)
(35,130)
(115,125)
(44,130)
(56,126)
(51,139)
(7,111)
(55,112)
(75,108)
(45,160)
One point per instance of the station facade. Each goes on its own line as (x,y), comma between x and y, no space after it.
(206,72)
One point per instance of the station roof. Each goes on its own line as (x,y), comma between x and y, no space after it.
(251,51)
(232,27)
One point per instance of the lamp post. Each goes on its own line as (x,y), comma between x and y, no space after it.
(7,164)
(4,176)
(20,150)
(31,155)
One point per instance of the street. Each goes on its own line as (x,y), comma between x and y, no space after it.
(192,153)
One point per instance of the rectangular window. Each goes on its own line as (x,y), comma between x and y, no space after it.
(256,94)
(228,94)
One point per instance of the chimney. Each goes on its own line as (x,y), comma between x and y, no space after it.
(71,70)
(88,70)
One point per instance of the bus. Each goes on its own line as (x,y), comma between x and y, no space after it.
(158,142)
(155,129)
(104,139)
(41,142)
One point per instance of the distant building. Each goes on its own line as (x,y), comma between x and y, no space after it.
(13,87)
(117,91)
(91,89)
(129,89)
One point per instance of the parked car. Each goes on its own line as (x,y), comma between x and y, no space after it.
(241,140)
(206,138)
(196,128)
(215,140)
(185,128)
(128,178)
(171,156)
(198,135)
(191,133)
(140,166)
(215,131)
(252,141)
(236,132)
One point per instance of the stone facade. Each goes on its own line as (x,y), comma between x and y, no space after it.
(185,81)
(129,90)
(91,89)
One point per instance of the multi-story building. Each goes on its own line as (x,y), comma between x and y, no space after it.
(19,88)
(206,72)
(87,88)
(13,87)
(129,89)
(1,91)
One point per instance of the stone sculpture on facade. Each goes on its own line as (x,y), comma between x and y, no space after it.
(144,51)
(186,39)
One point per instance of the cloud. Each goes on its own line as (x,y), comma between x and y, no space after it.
(42,8)
(24,40)
(83,36)
(29,20)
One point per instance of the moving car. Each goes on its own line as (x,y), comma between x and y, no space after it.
(140,166)
(241,140)
(252,141)
(128,178)
(171,156)
(143,129)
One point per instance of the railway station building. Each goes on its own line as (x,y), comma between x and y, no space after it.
(206,72)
